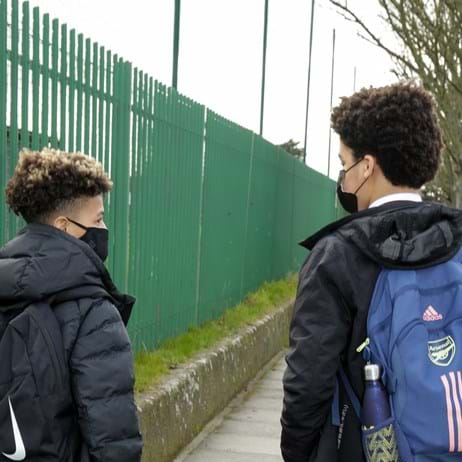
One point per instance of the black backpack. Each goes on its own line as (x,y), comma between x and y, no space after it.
(37,414)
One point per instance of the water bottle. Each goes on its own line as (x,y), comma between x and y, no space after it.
(376,407)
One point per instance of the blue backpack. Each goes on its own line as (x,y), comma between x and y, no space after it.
(414,330)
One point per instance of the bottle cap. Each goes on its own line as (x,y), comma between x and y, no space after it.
(372,372)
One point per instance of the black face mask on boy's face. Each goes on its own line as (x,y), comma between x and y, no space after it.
(96,238)
(349,201)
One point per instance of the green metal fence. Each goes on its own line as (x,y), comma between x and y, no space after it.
(203,210)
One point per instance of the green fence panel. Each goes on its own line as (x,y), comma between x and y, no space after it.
(202,212)
(63,83)
(167,143)
(284,245)
(314,206)
(52,140)
(3,106)
(228,152)
(11,222)
(261,216)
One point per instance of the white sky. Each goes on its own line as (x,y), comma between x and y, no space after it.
(221,57)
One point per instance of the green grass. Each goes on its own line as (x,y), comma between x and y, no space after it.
(150,367)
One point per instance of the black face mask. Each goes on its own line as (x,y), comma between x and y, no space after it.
(349,201)
(96,238)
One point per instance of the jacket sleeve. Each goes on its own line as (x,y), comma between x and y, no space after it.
(102,377)
(318,335)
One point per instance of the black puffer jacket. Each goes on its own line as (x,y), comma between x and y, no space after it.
(44,263)
(330,314)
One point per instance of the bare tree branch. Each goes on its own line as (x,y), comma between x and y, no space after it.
(374,38)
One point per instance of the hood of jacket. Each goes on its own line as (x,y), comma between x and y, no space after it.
(43,263)
(400,234)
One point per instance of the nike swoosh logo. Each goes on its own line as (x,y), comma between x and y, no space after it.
(20,452)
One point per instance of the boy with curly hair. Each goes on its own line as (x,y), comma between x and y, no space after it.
(390,146)
(59,258)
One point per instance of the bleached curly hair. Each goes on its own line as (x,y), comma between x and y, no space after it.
(50,181)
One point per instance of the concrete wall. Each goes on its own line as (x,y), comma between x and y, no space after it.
(174,412)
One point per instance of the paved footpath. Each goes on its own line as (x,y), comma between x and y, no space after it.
(249,429)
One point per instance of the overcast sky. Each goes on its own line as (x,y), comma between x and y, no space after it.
(221,57)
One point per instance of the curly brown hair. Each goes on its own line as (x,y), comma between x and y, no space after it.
(398,125)
(53,181)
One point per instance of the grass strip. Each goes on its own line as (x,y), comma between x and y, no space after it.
(151,367)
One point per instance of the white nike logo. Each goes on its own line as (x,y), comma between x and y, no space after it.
(20,452)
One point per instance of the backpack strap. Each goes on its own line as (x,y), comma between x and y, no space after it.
(342,377)
(336,406)
(44,316)
(350,392)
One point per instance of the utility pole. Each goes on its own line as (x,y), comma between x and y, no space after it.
(263,79)
(309,78)
(331,97)
(176,44)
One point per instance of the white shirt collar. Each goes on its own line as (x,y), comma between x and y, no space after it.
(414,197)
